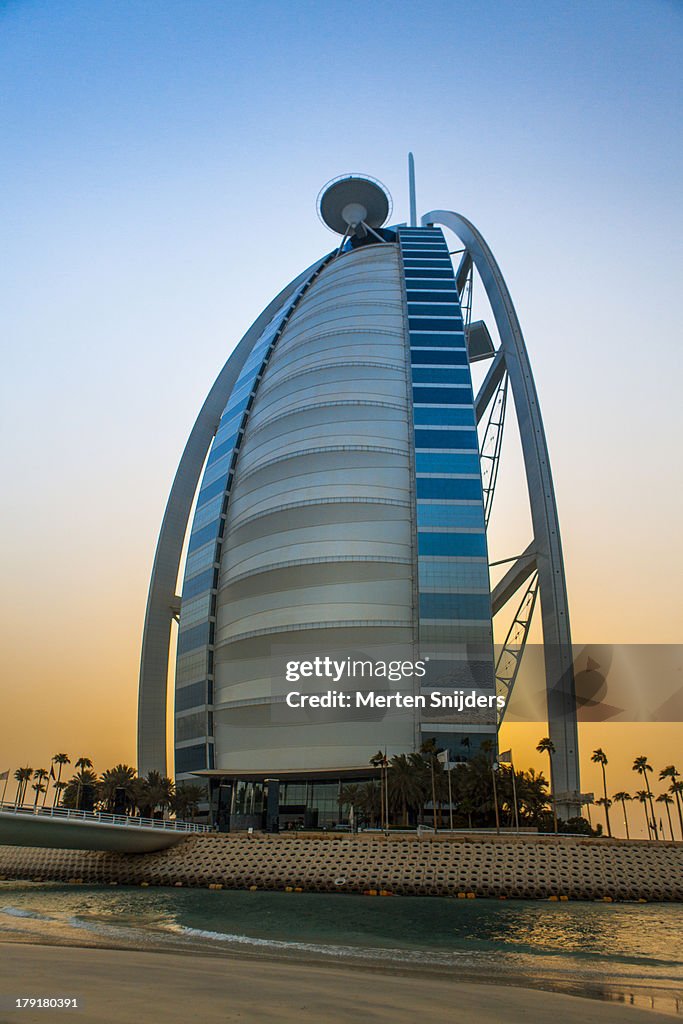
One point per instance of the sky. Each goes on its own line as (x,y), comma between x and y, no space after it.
(157,188)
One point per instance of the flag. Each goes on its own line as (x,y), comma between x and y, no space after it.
(443,758)
(4,775)
(52,772)
(506,757)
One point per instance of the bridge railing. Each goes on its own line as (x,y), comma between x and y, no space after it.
(104,818)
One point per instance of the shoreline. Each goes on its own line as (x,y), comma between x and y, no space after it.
(654,1000)
(289,989)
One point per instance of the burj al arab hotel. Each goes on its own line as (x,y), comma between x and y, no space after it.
(335,495)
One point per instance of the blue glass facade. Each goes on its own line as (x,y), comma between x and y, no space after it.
(452,559)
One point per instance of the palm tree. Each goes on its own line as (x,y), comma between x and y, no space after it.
(546,746)
(60,760)
(74,787)
(600,757)
(671,772)
(39,775)
(667,800)
(122,776)
(642,795)
(349,796)
(641,766)
(371,801)
(23,776)
(405,789)
(532,796)
(604,801)
(59,788)
(676,788)
(83,762)
(429,752)
(156,790)
(186,799)
(379,760)
(622,797)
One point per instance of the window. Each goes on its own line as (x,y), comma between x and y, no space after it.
(452,309)
(448,574)
(192,696)
(221,449)
(454,339)
(190,759)
(190,727)
(207,493)
(466,516)
(445,356)
(419,324)
(433,416)
(469,545)
(441,375)
(201,537)
(447,285)
(423,262)
(444,272)
(456,395)
(206,580)
(201,559)
(453,439)
(446,462)
(193,637)
(433,296)
(448,488)
(455,606)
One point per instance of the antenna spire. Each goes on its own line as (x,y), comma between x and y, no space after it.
(411,189)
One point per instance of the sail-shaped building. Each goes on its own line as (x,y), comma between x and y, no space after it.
(330,501)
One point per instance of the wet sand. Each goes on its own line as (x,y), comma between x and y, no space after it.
(131,986)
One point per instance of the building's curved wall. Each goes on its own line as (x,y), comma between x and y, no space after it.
(194,663)
(318,544)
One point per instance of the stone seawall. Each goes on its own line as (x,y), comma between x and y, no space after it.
(527,867)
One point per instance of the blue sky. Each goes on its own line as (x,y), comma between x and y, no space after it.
(157,187)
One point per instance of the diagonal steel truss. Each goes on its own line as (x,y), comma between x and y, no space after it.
(491,445)
(510,657)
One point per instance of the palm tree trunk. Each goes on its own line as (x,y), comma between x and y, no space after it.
(668,814)
(652,807)
(59,779)
(604,786)
(680,813)
(623,804)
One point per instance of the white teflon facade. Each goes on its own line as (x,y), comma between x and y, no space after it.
(319,557)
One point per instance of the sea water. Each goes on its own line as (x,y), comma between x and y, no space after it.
(626,952)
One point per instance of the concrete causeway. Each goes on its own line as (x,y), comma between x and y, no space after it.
(514,866)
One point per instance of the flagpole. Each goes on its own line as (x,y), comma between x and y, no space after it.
(4,788)
(514,792)
(450,794)
(495,795)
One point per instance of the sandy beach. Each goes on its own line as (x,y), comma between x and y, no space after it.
(118,985)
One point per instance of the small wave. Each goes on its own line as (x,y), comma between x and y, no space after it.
(18,912)
(364,952)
